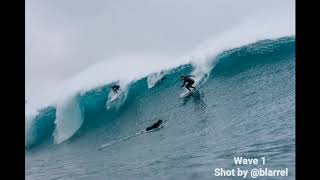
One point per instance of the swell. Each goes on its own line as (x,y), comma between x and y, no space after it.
(91,104)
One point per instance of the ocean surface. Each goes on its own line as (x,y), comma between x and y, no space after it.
(245,106)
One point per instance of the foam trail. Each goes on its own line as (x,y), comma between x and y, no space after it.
(120,140)
(128,137)
(69,119)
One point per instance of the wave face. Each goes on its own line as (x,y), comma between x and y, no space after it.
(245,106)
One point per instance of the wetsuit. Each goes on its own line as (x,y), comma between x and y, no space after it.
(154,126)
(115,88)
(189,81)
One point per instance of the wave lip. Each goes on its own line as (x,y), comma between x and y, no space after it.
(69,118)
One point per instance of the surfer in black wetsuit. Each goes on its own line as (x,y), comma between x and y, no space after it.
(189,81)
(115,88)
(154,126)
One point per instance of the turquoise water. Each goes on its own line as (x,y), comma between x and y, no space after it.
(246,108)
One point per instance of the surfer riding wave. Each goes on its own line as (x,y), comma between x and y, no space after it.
(187,79)
(115,88)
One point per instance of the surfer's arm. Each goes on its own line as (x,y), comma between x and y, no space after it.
(184,82)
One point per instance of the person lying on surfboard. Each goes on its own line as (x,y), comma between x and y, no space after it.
(115,88)
(155,125)
(189,81)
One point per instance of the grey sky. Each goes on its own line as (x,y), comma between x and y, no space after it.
(63,37)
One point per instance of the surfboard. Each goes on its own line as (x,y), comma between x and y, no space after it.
(189,93)
(186,94)
(118,141)
(115,97)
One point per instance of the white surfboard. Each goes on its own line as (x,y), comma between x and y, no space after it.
(186,94)
(112,99)
(115,97)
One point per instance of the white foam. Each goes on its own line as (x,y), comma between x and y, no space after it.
(154,78)
(69,119)
(264,25)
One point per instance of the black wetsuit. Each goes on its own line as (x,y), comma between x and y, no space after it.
(154,126)
(115,88)
(189,82)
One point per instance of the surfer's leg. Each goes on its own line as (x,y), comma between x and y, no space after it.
(188,88)
(190,85)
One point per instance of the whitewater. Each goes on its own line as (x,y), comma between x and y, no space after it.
(245,107)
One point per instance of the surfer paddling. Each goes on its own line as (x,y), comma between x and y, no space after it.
(115,88)
(154,126)
(148,129)
(187,79)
